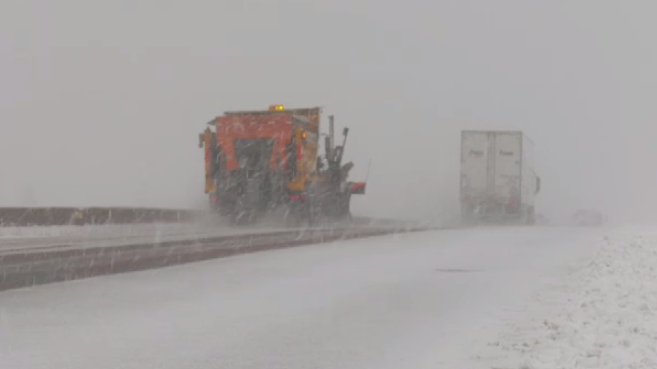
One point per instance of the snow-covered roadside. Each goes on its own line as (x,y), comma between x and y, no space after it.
(602,316)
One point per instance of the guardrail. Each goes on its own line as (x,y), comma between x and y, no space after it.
(58,216)
(22,217)
(33,267)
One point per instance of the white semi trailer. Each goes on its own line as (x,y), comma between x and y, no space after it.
(498,181)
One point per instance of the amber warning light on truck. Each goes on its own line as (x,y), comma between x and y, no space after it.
(276,108)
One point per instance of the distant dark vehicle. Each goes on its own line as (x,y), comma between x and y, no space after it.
(589,218)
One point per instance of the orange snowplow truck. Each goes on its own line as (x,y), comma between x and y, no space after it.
(259,162)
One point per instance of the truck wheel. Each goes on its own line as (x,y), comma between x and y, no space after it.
(346,209)
(530,217)
(290,219)
(467,215)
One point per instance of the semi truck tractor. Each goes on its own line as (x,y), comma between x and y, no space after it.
(498,180)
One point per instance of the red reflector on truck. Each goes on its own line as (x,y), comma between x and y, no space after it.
(358,188)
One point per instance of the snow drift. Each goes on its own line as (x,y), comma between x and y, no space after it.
(602,316)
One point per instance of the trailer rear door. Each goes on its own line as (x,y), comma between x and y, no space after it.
(508,152)
(475,179)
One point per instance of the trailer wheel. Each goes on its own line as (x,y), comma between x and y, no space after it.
(530,216)
(467,215)
(346,207)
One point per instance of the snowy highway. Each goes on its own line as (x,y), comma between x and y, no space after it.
(423,300)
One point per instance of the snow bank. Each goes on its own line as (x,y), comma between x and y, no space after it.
(602,316)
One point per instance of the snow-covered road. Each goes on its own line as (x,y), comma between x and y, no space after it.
(602,316)
(428,300)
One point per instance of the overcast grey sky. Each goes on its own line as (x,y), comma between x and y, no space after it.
(101,101)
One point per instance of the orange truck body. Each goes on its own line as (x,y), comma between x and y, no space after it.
(291,141)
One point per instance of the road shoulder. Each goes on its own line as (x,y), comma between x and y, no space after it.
(601,316)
